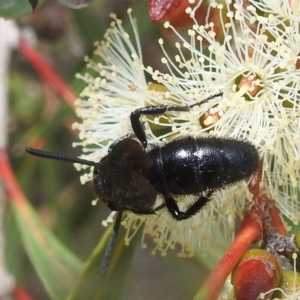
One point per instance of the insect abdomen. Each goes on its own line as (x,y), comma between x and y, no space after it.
(194,165)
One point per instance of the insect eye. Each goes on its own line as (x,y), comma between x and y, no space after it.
(139,170)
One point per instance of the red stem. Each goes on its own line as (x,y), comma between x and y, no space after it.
(47,72)
(20,294)
(276,219)
(18,198)
(10,181)
(249,232)
(261,217)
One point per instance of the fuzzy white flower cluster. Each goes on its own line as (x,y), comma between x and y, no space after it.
(256,66)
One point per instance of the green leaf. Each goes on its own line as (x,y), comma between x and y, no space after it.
(16,8)
(91,285)
(56,266)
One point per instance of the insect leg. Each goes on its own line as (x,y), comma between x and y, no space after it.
(163,205)
(143,212)
(149,212)
(112,239)
(137,126)
(173,208)
(110,245)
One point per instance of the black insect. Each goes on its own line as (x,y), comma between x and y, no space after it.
(130,177)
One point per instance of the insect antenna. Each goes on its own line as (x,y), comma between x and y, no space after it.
(57,156)
(112,239)
(110,245)
(220,94)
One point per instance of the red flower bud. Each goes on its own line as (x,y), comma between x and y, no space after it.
(174,11)
(257,272)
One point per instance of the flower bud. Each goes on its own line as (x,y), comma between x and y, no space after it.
(289,284)
(179,13)
(257,272)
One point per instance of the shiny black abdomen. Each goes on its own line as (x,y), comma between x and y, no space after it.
(194,165)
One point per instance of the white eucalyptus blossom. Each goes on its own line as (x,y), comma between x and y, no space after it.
(116,86)
(279,11)
(254,66)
